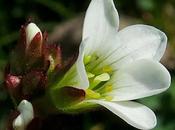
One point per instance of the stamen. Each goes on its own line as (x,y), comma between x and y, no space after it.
(107,69)
(90,75)
(92,94)
(52,63)
(102,77)
(107,88)
(87,59)
(98,79)
(108,98)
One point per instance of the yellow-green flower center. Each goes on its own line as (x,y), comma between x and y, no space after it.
(97,79)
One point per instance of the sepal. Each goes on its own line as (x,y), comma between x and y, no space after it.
(67,96)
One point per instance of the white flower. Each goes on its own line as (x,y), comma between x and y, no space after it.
(26,115)
(115,67)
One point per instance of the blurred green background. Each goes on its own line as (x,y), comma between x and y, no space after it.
(64,17)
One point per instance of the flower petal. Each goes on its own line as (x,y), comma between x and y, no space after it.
(132,43)
(133,113)
(26,115)
(150,41)
(140,79)
(76,76)
(100,22)
(81,71)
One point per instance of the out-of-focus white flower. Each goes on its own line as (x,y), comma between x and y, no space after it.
(26,115)
(115,67)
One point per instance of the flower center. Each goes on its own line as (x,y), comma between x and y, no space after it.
(97,79)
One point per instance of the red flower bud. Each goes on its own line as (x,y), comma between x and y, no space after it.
(34,40)
(12,81)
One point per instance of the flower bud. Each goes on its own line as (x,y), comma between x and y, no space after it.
(26,115)
(12,81)
(31,32)
(34,40)
(13,85)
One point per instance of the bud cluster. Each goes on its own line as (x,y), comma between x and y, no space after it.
(24,64)
(34,68)
(33,65)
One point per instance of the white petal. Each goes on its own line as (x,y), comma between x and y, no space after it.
(133,113)
(18,123)
(140,79)
(82,75)
(26,115)
(150,41)
(76,76)
(133,43)
(100,22)
(31,31)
